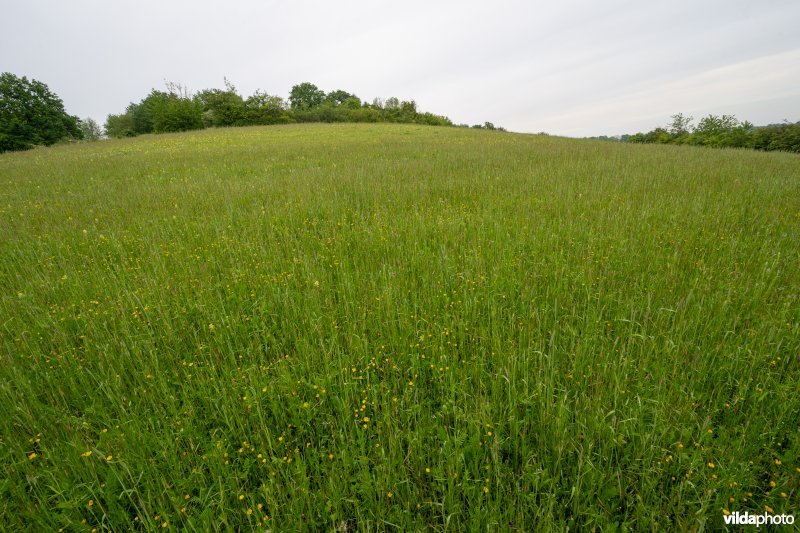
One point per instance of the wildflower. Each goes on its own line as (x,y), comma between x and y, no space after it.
(769,509)
(33,456)
(427,470)
(486,490)
(726,512)
(711,465)
(772,484)
(389,494)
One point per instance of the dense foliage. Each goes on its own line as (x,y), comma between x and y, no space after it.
(724,131)
(175,110)
(32,115)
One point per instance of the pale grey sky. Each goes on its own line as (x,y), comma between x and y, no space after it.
(573,67)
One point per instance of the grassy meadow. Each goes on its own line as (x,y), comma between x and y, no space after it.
(395,327)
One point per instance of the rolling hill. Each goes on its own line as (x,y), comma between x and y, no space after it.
(363,327)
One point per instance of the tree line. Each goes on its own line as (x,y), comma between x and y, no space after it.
(32,115)
(176,110)
(724,131)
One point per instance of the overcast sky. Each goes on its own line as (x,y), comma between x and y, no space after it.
(573,67)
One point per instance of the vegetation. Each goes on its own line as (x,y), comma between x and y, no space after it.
(723,132)
(369,327)
(32,115)
(223,108)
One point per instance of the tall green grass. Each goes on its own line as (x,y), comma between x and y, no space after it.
(385,327)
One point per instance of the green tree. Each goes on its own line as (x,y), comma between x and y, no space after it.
(714,131)
(169,111)
(784,137)
(143,114)
(121,125)
(263,108)
(340,97)
(31,114)
(222,107)
(90,129)
(177,113)
(408,111)
(681,127)
(306,96)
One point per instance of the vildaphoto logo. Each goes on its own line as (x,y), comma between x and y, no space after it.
(758,520)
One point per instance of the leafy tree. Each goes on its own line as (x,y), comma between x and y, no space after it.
(341,97)
(222,108)
(784,137)
(408,111)
(354,102)
(178,114)
(681,127)
(143,114)
(710,131)
(306,96)
(657,136)
(163,112)
(263,108)
(90,129)
(31,114)
(433,120)
(120,125)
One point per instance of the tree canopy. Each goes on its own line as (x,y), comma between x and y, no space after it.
(724,131)
(176,110)
(32,115)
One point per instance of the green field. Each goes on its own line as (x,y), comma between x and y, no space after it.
(380,327)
